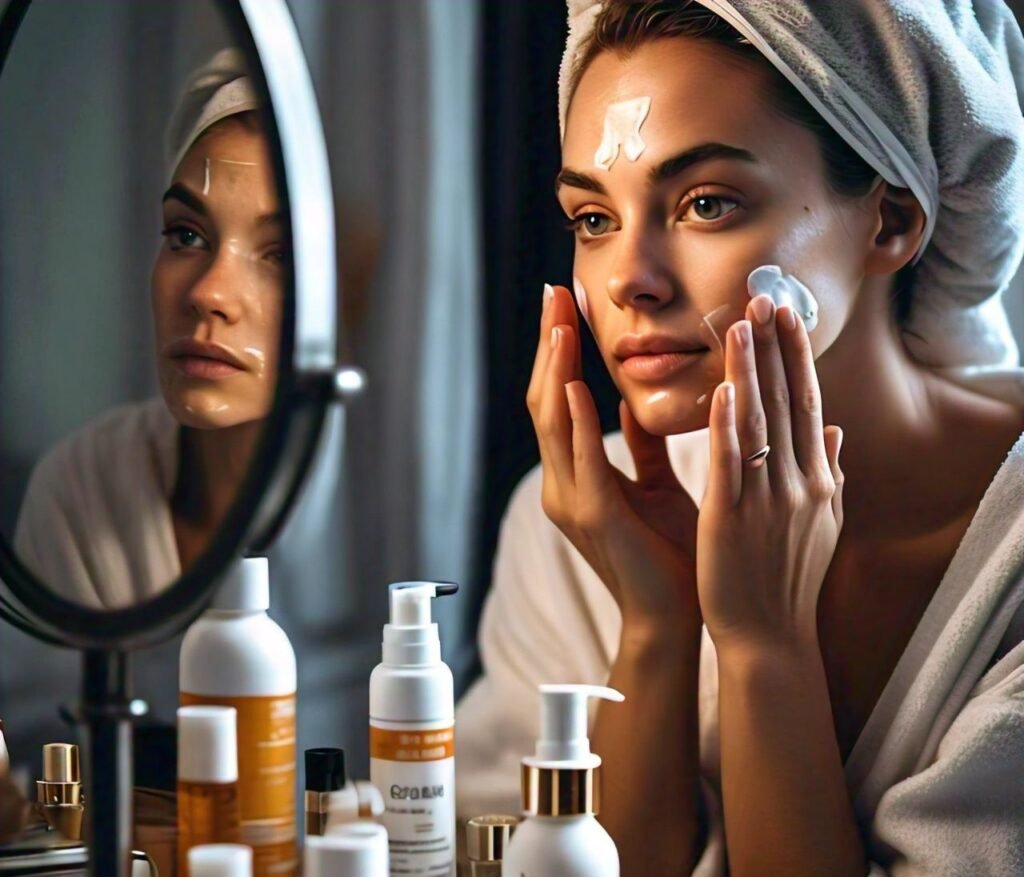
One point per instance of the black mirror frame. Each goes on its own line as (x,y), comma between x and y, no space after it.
(307,380)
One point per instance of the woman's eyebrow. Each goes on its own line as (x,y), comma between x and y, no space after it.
(179,192)
(696,154)
(669,168)
(578,180)
(270,218)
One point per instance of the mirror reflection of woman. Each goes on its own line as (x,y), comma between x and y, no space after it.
(115,512)
(822,665)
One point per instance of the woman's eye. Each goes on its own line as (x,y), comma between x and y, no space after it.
(708,208)
(182,238)
(278,255)
(594,224)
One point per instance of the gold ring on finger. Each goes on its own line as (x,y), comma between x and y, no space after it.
(756,459)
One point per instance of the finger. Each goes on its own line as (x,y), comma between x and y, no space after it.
(557,308)
(833,443)
(771,375)
(805,393)
(741,372)
(552,422)
(593,473)
(650,452)
(725,479)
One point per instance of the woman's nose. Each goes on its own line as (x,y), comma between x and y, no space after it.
(219,291)
(640,277)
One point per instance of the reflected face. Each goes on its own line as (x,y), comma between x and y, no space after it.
(218,281)
(666,238)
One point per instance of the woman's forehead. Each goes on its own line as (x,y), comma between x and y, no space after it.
(231,165)
(698,91)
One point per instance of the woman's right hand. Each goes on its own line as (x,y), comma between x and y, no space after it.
(638,536)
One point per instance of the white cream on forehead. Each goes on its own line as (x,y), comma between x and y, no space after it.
(207,177)
(622,124)
(784,289)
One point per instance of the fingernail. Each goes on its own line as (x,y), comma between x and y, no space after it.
(743,333)
(788,318)
(839,441)
(556,336)
(762,306)
(549,293)
(728,393)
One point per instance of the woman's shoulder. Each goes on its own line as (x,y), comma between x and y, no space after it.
(105,445)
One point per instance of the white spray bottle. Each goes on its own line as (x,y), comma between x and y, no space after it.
(560,835)
(412,735)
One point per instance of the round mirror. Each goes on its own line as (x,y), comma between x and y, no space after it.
(166,309)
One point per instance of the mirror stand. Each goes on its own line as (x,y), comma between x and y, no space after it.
(106,714)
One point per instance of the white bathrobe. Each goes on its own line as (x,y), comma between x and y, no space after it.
(95,522)
(936,774)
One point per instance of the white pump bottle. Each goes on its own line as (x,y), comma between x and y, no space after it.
(560,835)
(412,735)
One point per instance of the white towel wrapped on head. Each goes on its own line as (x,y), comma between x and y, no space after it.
(218,89)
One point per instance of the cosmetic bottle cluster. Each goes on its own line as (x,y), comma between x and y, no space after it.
(236,813)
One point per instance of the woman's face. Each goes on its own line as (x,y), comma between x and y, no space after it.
(218,281)
(724,184)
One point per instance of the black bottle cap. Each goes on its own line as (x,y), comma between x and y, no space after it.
(325,769)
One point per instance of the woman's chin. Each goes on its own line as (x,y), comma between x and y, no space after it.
(200,410)
(663,415)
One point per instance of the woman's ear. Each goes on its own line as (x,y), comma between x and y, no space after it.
(899,228)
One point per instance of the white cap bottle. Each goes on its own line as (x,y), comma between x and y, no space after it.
(208,806)
(358,849)
(560,835)
(220,860)
(412,734)
(236,655)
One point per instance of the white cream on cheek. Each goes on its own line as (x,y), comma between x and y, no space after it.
(784,289)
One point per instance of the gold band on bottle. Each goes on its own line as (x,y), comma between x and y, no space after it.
(561,792)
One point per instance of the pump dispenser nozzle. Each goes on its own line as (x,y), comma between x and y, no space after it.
(411,636)
(561,778)
(563,723)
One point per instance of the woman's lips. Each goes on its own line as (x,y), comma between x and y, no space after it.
(655,367)
(204,367)
(208,360)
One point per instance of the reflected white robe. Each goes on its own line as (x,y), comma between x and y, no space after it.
(95,522)
(935,776)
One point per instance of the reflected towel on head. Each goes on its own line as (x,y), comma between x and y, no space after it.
(218,89)
(928,94)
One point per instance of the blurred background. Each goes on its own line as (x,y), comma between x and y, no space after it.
(441,125)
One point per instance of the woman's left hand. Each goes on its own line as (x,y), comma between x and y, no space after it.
(767,530)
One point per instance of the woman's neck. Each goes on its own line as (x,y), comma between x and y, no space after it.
(212,465)
(904,425)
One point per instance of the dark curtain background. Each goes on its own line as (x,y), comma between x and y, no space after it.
(525,241)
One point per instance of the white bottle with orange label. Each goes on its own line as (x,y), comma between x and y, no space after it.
(412,735)
(235,655)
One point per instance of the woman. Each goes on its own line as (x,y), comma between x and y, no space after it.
(116,511)
(821,667)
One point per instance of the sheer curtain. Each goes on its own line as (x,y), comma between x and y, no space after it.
(396,82)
